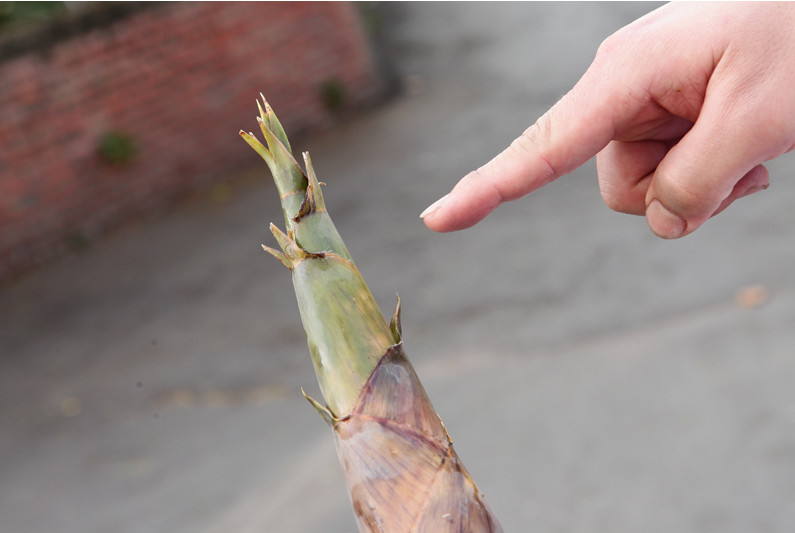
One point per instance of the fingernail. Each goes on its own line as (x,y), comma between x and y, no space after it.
(434,206)
(754,189)
(664,223)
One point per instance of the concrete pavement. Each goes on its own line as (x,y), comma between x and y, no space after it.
(594,377)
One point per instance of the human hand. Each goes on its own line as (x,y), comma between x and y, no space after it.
(682,107)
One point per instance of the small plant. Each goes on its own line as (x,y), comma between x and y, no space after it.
(332,94)
(78,242)
(117,147)
(14,15)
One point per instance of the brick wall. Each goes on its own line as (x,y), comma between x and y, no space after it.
(178,80)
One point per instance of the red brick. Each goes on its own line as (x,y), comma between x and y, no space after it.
(181,79)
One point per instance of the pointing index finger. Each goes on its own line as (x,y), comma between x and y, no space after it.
(569,134)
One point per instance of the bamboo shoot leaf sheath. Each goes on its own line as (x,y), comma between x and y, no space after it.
(399,464)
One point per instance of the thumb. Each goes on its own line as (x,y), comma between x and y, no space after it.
(714,164)
(569,134)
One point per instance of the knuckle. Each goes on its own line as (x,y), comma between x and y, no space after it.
(612,200)
(685,196)
(621,193)
(529,141)
(625,46)
(609,46)
(532,142)
(540,133)
(622,201)
(616,44)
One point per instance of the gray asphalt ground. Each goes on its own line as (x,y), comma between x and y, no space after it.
(594,378)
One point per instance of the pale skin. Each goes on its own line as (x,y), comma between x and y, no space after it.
(681,109)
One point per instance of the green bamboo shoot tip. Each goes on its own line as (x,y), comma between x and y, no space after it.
(257,146)
(269,117)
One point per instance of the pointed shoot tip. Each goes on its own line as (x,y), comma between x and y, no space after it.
(283,258)
(324,412)
(394,324)
(268,109)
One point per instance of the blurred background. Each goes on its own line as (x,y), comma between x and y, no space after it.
(593,377)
